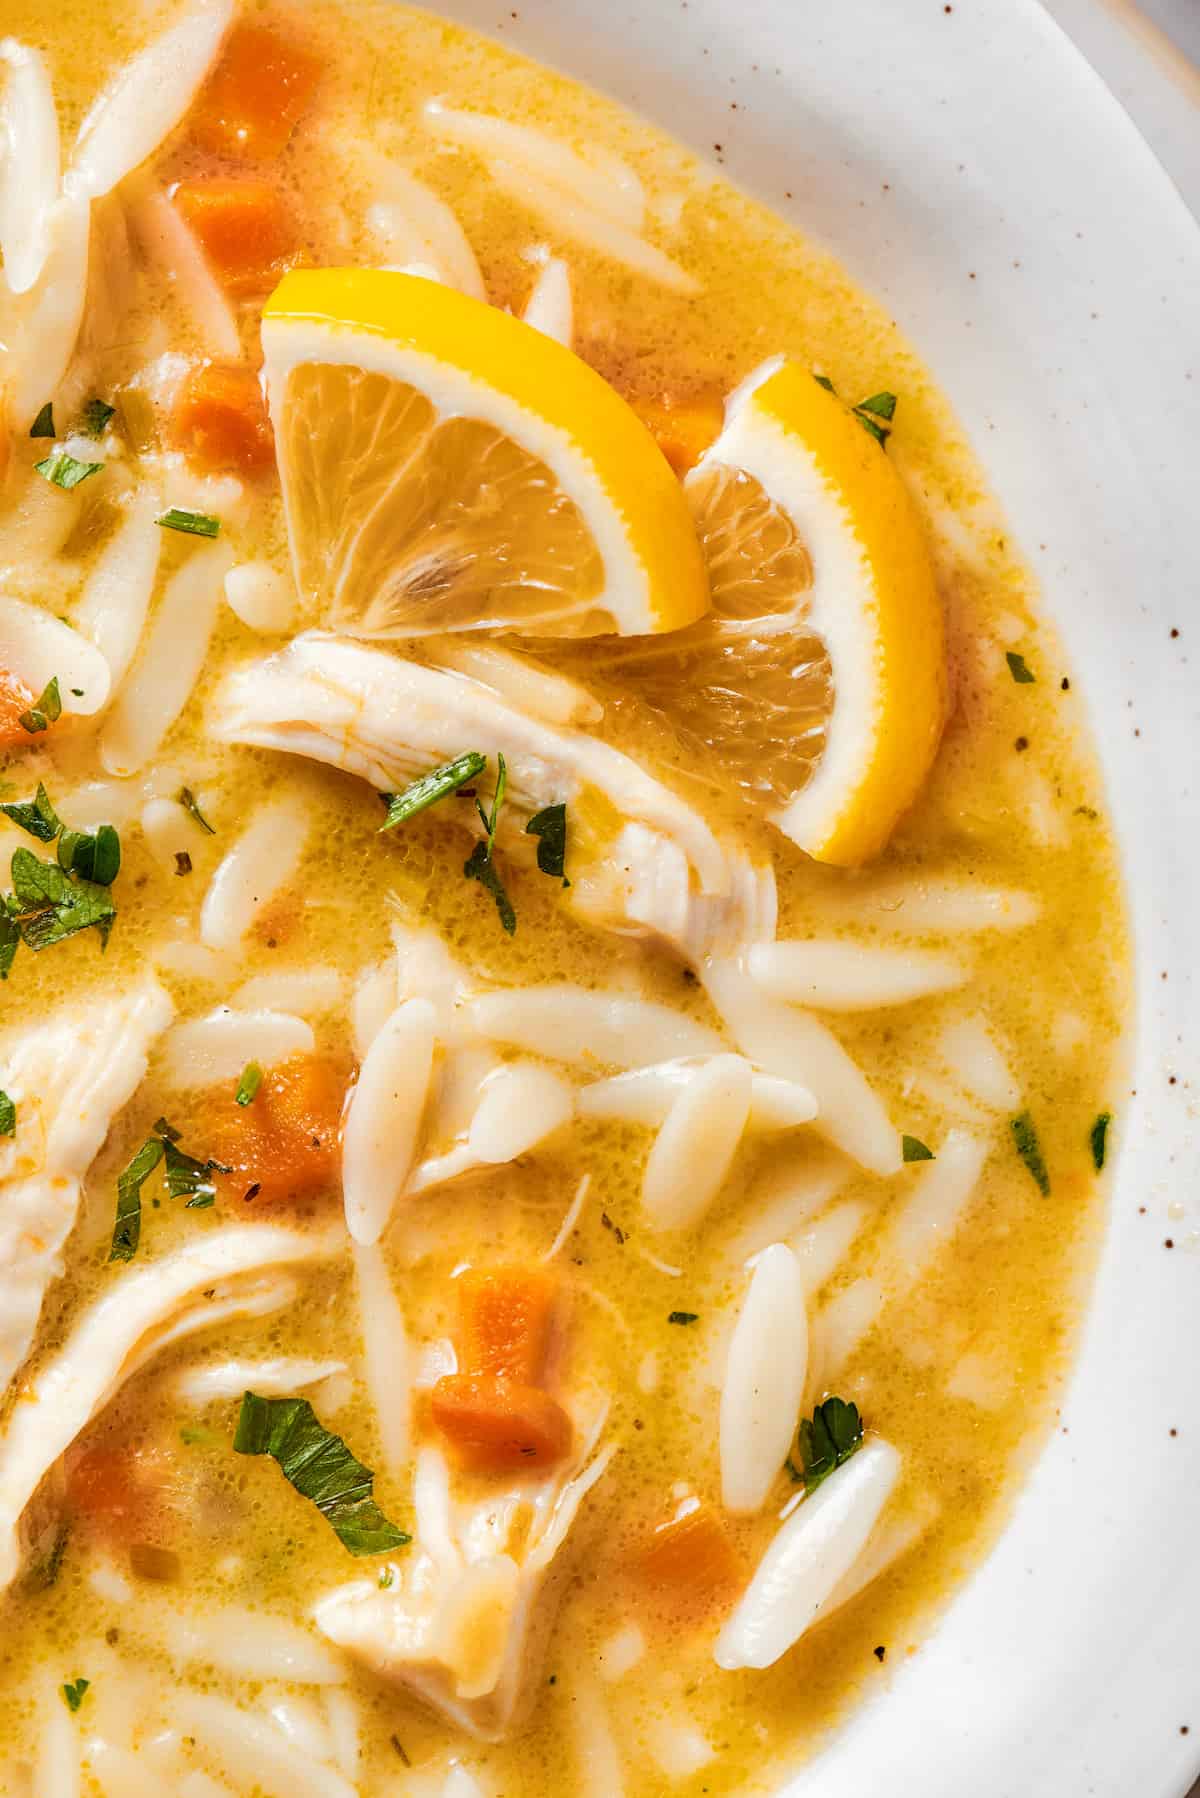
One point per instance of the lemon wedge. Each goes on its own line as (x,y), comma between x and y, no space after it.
(819,680)
(447,467)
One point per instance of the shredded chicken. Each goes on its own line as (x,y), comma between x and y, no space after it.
(464,1622)
(374,714)
(213,1278)
(68,1078)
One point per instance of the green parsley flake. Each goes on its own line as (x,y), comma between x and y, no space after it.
(73,1692)
(321,1468)
(187,799)
(187,1178)
(44,711)
(826,1441)
(550,827)
(127,1230)
(93,855)
(1025,1137)
(96,415)
(869,412)
(66,471)
(1019,668)
(913,1149)
(43,424)
(36,815)
(49,904)
(1098,1138)
(479,864)
(439,783)
(683,1317)
(248,1085)
(10,941)
(8,1116)
(192,524)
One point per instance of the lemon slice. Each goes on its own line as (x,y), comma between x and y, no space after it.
(446,467)
(819,680)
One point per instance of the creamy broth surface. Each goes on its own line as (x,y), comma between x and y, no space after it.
(959,1369)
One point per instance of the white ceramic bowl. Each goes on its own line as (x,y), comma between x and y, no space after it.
(923,142)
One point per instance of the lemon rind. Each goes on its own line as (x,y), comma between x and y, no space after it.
(535,390)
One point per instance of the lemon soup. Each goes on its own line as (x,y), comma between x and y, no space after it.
(562,958)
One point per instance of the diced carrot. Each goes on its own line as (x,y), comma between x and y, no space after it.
(242,227)
(220,421)
(499,1425)
(690,1558)
(279,919)
(126,1495)
(683,429)
(285,1143)
(15,698)
(506,1317)
(256,94)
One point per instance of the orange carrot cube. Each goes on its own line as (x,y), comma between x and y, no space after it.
(255,95)
(690,1557)
(285,1144)
(497,1425)
(243,229)
(220,421)
(506,1317)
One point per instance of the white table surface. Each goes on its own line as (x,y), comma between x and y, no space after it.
(1149,55)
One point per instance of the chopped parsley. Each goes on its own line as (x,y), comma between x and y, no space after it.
(550,827)
(187,799)
(874,414)
(43,424)
(913,1149)
(93,855)
(1098,1138)
(248,1085)
(826,1440)
(1019,668)
(44,711)
(66,471)
(439,783)
(49,904)
(10,940)
(187,1178)
(387,1579)
(36,815)
(127,1230)
(683,1317)
(1025,1137)
(8,1116)
(192,524)
(479,864)
(96,415)
(869,413)
(73,1692)
(321,1468)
